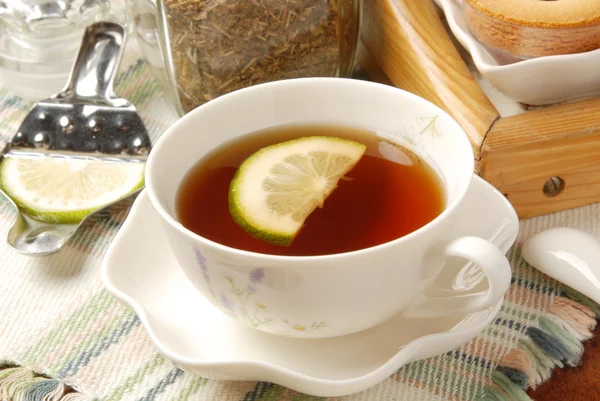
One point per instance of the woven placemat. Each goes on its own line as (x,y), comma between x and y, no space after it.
(63,337)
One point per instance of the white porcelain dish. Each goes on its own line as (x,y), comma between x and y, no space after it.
(537,81)
(140,270)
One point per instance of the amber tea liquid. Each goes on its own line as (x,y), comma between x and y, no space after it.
(392,192)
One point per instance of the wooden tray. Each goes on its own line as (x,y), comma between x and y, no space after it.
(544,159)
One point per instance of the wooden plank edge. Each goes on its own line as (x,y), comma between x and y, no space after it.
(520,155)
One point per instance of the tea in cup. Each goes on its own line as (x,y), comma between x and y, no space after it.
(389,193)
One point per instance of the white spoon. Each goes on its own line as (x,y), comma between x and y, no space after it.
(568,255)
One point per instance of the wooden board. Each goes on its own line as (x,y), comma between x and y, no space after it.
(407,45)
(521,153)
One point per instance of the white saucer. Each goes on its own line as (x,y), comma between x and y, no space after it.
(139,269)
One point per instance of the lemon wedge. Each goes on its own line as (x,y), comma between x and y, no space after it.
(65,191)
(277,188)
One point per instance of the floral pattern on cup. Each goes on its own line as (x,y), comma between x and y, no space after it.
(201,260)
(300,327)
(430,126)
(412,135)
(243,305)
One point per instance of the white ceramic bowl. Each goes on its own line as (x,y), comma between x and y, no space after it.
(537,81)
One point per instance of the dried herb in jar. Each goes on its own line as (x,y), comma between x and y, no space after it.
(219,46)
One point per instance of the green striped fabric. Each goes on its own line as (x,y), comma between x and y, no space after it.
(63,337)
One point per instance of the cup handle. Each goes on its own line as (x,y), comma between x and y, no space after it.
(493,263)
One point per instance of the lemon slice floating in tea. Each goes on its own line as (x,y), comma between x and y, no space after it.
(65,191)
(278,187)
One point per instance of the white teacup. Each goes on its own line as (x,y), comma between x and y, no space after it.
(332,295)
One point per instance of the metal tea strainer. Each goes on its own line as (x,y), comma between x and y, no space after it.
(86,121)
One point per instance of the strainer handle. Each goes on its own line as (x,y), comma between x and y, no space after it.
(96,64)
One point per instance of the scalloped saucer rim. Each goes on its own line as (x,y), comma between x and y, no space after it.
(167,304)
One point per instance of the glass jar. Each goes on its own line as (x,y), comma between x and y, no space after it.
(212,47)
(40,38)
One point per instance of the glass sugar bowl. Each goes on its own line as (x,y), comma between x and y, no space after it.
(211,47)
